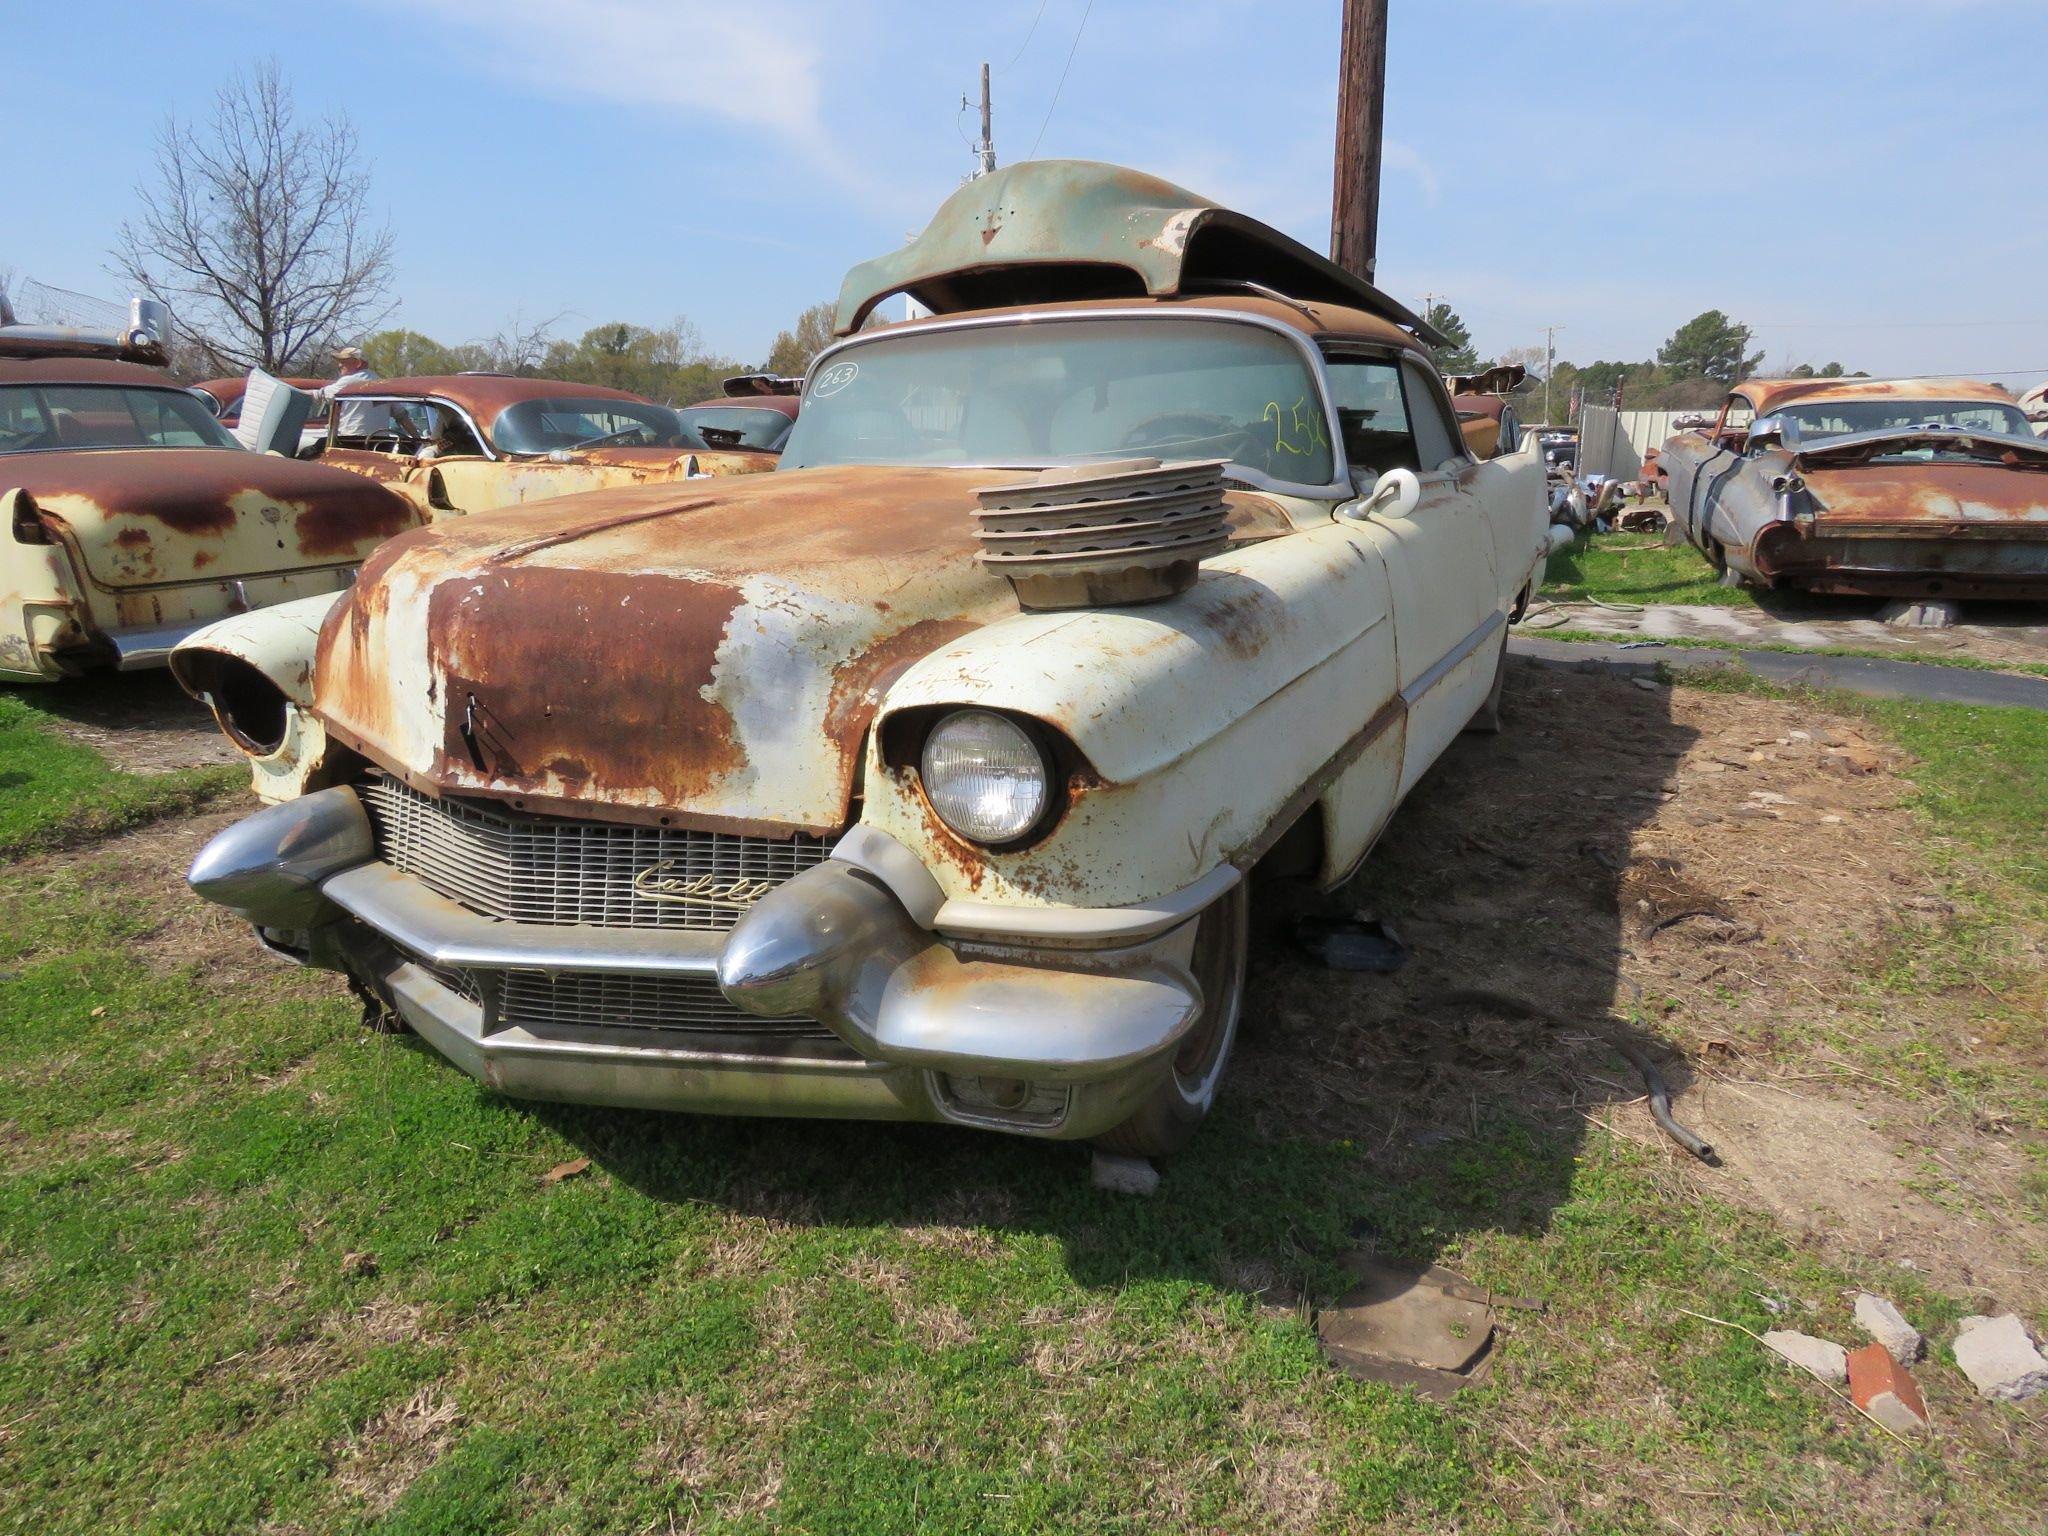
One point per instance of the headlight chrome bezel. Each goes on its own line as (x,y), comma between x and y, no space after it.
(1027,741)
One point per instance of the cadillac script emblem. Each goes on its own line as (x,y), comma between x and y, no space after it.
(661,883)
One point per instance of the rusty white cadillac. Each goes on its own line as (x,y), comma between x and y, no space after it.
(920,778)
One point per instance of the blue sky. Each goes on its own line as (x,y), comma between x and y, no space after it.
(1857,179)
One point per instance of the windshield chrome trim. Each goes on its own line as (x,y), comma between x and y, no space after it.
(334,417)
(1338,489)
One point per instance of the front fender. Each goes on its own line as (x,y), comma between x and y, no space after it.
(1200,722)
(254,671)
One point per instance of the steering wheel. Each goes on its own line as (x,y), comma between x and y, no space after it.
(385,440)
(1196,433)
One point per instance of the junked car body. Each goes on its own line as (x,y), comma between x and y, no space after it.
(1487,418)
(754,414)
(1873,487)
(471,442)
(769,795)
(129,518)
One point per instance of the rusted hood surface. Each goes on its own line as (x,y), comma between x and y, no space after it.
(142,517)
(1948,493)
(710,650)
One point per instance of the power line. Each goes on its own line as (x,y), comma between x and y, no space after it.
(1027,38)
(1083,27)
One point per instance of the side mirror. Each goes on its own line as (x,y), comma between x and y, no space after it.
(1394,495)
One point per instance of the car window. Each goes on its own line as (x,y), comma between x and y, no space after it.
(1373,414)
(1068,391)
(570,421)
(1437,440)
(46,417)
(734,426)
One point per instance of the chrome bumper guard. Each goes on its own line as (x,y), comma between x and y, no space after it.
(1071,1039)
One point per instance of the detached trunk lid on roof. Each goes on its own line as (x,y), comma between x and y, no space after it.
(144,517)
(713,648)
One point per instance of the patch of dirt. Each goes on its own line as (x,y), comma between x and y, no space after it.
(141,722)
(395,1448)
(1709,878)
(146,870)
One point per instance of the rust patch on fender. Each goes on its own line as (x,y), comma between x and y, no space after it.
(859,682)
(336,530)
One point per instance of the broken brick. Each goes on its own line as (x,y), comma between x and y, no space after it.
(1885,1390)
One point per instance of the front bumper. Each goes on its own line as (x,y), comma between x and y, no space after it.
(837,1002)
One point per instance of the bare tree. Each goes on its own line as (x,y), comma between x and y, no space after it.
(257,230)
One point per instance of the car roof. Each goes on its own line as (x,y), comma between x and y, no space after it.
(1324,323)
(1766,395)
(84,370)
(228,391)
(786,404)
(485,395)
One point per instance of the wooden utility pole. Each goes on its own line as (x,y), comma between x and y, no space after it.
(1361,110)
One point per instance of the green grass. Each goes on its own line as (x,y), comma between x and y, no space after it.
(1636,568)
(54,791)
(260,1271)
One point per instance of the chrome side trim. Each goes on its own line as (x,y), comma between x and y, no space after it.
(449,935)
(135,649)
(1495,622)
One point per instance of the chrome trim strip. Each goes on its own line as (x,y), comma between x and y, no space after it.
(135,649)
(1338,489)
(449,935)
(1495,621)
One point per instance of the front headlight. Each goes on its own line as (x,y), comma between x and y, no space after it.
(985,776)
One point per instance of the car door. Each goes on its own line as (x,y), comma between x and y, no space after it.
(1438,545)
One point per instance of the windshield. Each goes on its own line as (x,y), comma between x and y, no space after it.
(37,418)
(1833,418)
(570,421)
(732,426)
(1029,395)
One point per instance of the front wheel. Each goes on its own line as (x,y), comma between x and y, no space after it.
(1166,1121)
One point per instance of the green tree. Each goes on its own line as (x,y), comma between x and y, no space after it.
(1709,346)
(669,364)
(401,354)
(1456,354)
(795,347)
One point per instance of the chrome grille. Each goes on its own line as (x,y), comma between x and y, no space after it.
(672,1006)
(551,869)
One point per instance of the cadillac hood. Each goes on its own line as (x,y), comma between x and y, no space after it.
(706,651)
(145,517)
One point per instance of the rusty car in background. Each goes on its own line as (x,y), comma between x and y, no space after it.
(919,779)
(472,442)
(754,414)
(1487,418)
(1917,488)
(129,517)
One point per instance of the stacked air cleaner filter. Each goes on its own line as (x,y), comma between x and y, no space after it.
(1096,535)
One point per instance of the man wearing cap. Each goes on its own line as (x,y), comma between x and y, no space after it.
(357,419)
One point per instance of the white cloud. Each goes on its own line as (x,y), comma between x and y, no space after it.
(757,67)
(1398,156)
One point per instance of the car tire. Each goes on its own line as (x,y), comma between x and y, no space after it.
(1485,720)
(1165,1122)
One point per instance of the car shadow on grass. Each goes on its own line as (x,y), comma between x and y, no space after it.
(1395,1112)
